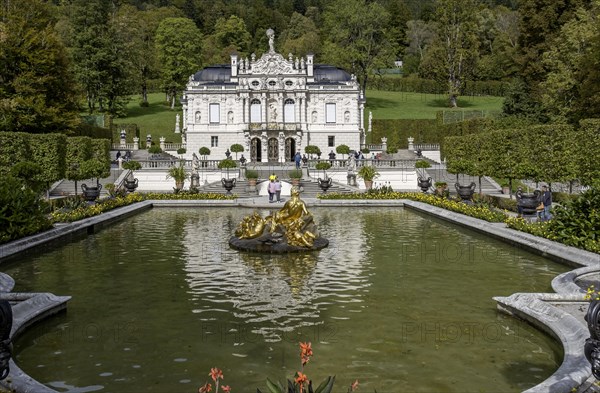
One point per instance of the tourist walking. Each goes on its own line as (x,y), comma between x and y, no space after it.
(547,201)
(271,189)
(277,189)
(297,159)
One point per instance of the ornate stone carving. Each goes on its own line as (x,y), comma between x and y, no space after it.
(272,64)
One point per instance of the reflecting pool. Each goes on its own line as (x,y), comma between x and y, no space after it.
(400,301)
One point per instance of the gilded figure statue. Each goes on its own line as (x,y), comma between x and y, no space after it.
(292,225)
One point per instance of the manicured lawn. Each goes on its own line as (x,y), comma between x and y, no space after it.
(400,105)
(159,120)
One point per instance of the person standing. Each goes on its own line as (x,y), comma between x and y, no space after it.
(547,201)
(331,157)
(297,159)
(271,188)
(277,189)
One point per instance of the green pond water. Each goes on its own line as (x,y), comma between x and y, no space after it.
(400,301)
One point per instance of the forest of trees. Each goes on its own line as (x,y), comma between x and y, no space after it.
(54,55)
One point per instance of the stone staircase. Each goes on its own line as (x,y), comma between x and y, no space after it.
(439,173)
(67,187)
(310,188)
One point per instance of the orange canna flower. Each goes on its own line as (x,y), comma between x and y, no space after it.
(226,389)
(306,349)
(301,379)
(215,374)
(206,388)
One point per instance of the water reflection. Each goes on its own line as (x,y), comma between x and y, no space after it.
(274,293)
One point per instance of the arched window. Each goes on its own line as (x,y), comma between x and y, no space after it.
(255,111)
(289,111)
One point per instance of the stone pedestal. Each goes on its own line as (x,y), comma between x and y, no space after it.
(411,146)
(136,143)
(351,178)
(195,180)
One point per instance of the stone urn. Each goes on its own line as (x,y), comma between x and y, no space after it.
(324,184)
(131,184)
(424,184)
(465,192)
(228,184)
(90,194)
(528,202)
(591,347)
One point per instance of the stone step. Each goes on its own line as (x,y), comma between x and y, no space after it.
(67,187)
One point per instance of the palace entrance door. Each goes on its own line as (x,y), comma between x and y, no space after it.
(255,150)
(273,150)
(290,149)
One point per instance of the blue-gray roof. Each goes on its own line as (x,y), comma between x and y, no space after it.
(221,73)
(215,73)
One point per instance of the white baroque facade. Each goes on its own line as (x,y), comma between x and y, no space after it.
(273,107)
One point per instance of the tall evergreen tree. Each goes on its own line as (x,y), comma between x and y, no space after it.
(37,93)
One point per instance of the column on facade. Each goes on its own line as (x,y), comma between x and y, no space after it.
(298,142)
(265,104)
(281,140)
(264,147)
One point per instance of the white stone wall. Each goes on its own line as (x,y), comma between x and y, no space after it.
(399,180)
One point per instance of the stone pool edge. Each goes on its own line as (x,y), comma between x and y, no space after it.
(537,308)
(534,308)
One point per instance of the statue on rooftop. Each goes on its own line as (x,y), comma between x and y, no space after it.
(271,35)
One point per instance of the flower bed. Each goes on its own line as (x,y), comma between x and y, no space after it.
(95,209)
(186,195)
(478,211)
(85,211)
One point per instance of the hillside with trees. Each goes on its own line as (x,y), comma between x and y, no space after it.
(55,55)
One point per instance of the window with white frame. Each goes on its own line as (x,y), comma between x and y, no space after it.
(330,113)
(215,113)
(289,111)
(255,111)
(214,141)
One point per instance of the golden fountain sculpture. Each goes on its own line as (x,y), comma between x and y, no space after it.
(291,229)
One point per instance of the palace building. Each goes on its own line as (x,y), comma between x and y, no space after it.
(272,106)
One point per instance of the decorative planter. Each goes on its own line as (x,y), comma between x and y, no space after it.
(505,190)
(368,184)
(324,184)
(295,182)
(528,202)
(591,348)
(179,184)
(252,182)
(90,194)
(465,192)
(131,184)
(228,184)
(424,184)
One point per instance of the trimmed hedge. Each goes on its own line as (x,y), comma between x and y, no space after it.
(94,132)
(132,130)
(14,147)
(49,152)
